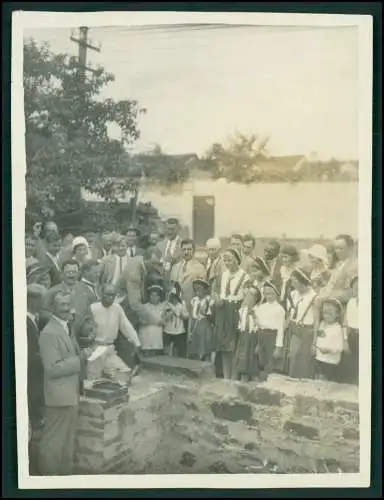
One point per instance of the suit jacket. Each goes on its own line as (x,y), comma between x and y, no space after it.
(214,274)
(108,267)
(62,366)
(339,282)
(275,276)
(82,298)
(185,277)
(54,270)
(35,381)
(175,256)
(133,280)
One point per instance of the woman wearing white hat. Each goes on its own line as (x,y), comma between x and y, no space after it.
(317,257)
(80,250)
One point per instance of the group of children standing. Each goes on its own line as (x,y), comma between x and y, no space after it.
(240,324)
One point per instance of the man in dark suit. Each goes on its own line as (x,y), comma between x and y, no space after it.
(273,260)
(90,276)
(51,257)
(132,237)
(64,365)
(35,377)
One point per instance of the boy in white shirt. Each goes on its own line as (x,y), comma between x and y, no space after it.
(270,322)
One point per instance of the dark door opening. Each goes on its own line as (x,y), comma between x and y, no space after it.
(203,219)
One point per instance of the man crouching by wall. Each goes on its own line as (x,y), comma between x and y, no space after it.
(63,363)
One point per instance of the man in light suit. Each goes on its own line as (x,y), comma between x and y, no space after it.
(338,286)
(170,247)
(78,290)
(215,265)
(112,266)
(64,365)
(187,270)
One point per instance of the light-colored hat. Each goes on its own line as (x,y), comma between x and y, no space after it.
(317,251)
(213,243)
(79,240)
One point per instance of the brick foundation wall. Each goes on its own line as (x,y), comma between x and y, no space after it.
(172,424)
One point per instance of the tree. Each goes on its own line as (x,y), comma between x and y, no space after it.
(67,142)
(238,160)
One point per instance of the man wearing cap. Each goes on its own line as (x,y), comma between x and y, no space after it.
(215,265)
(170,247)
(64,365)
(187,270)
(35,371)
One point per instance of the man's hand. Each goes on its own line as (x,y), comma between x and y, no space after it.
(313,349)
(86,353)
(278,352)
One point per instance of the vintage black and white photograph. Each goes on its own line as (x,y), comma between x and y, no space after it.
(191,234)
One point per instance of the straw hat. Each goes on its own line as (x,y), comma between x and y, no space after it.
(318,252)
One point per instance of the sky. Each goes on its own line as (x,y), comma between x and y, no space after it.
(299,86)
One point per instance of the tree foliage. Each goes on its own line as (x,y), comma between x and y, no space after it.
(237,161)
(67,141)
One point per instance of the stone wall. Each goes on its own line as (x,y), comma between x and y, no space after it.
(173,424)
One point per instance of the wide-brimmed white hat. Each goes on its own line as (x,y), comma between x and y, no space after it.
(317,251)
(79,240)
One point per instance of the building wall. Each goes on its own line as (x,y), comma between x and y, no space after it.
(303,210)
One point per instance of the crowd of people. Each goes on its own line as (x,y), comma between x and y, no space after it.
(287,311)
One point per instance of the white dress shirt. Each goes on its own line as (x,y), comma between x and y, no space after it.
(63,323)
(33,318)
(270,315)
(301,303)
(120,263)
(111,320)
(331,338)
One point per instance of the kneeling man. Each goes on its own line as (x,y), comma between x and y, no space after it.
(110,320)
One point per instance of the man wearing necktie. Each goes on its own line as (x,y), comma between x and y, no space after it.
(171,246)
(63,364)
(132,237)
(187,270)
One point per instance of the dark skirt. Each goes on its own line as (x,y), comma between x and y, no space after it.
(201,340)
(226,326)
(349,365)
(245,362)
(327,371)
(266,344)
(301,363)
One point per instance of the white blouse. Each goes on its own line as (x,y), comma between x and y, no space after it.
(332,339)
(271,315)
(246,320)
(239,277)
(301,303)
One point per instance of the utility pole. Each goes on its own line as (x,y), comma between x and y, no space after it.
(84,44)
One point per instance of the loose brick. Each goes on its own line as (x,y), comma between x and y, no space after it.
(232,411)
(301,430)
(260,395)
